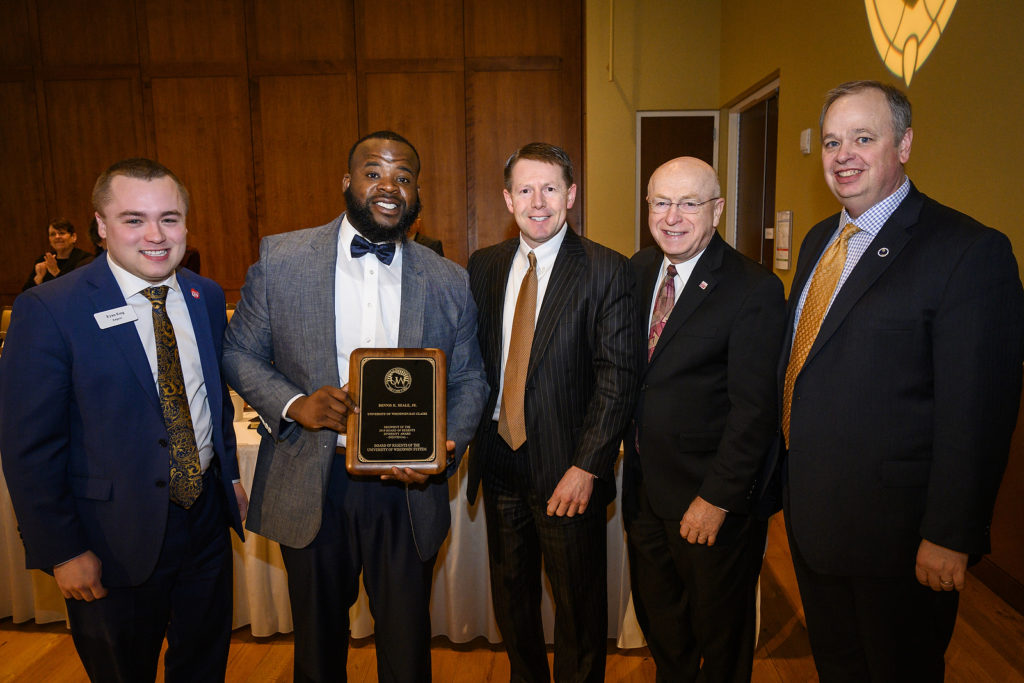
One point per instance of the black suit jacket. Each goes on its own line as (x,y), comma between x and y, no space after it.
(582,373)
(707,408)
(903,412)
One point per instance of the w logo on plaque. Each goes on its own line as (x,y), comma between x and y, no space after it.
(397,380)
(401,422)
(906,31)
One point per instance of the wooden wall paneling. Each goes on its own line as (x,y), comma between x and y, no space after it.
(504,111)
(409,29)
(428,109)
(23,212)
(315,34)
(98,32)
(90,125)
(304,129)
(206,35)
(521,28)
(17,38)
(203,135)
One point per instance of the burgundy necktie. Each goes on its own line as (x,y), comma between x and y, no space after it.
(662,309)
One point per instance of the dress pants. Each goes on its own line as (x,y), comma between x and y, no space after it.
(875,629)
(695,601)
(188,597)
(365,527)
(574,551)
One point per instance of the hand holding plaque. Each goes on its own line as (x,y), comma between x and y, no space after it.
(401,394)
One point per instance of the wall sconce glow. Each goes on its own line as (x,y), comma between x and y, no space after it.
(906,31)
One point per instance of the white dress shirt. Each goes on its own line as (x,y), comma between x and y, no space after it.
(367,304)
(188,349)
(546,254)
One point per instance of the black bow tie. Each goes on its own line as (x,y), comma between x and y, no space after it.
(384,251)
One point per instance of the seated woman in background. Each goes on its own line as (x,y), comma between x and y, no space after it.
(64,257)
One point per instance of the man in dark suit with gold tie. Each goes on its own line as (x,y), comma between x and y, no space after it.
(555,332)
(901,376)
(117,440)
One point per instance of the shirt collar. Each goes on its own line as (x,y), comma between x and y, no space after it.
(131,284)
(872,220)
(545,252)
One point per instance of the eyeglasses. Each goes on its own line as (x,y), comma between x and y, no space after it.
(686,205)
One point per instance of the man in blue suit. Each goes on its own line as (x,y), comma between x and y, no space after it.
(314,296)
(117,440)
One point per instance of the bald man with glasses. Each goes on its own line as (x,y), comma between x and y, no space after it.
(712,324)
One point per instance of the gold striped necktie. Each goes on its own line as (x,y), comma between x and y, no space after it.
(185,472)
(819,294)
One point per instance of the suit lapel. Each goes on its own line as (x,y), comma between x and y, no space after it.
(805,266)
(320,339)
(648,282)
(699,286)
(200,317)
(879,255)
(562,283)
(414,297)
(106,294)
(500,271)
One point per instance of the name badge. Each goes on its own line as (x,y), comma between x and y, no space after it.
(115,316)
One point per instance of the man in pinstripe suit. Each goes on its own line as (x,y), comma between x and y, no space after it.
(572,408)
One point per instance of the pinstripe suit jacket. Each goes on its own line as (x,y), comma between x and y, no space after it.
(281,342)
(581,379)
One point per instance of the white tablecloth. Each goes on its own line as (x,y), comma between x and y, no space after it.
(460,605)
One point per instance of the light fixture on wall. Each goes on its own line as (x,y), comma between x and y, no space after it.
(906,31)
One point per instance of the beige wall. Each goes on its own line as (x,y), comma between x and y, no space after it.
(968,146)
(665,56)
(967,100)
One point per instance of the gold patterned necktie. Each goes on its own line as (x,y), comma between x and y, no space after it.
(185,471)
(662,309)
(819,294)
(512,416)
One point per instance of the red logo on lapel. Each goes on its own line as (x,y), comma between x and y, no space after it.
(195,293)
(703,285)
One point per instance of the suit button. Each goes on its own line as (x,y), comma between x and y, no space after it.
(160,483)
(163,442)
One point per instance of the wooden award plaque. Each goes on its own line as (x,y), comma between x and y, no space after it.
(402,399)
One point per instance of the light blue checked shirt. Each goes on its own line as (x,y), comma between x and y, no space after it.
(869,222)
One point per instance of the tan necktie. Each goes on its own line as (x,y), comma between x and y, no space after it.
(186,473)
(662,309)
(819,294)
(512,417)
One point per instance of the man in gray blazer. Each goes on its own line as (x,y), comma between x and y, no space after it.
(313,297)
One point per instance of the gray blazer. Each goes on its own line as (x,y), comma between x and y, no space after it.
(281,342)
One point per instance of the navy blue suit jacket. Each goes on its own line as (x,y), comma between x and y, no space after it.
(81,431)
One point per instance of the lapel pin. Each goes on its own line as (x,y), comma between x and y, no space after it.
(703,284)
(883,252)
(195,293)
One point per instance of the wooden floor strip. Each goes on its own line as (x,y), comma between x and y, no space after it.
(987,645)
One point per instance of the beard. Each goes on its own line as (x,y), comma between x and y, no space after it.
(361,218)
